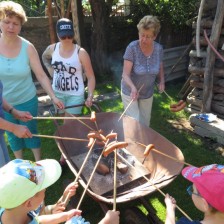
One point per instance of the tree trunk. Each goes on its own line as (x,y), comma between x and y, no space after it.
(62,8)
(78,22)
(51,23)
(100,25)
(210,60)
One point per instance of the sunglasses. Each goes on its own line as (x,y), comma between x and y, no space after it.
(66,37)
(190,191)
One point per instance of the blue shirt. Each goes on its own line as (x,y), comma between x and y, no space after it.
(184,220)
(33,217)
(144,70)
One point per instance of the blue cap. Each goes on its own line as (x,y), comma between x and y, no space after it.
(64,28)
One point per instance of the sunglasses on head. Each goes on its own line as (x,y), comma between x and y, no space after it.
(66,37)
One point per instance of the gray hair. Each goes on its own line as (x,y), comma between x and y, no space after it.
(149,23)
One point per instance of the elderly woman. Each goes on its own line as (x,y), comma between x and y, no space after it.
(17,58)
(142,64)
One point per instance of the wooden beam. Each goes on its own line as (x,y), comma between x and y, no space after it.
(210,60)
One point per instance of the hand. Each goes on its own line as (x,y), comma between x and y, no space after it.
(58,208)
(21,131)
(111,217)
(77,220)
(134,94)
(70,190)
(89,101)
(170,202)
(58,103)
(22,115)
(161,87)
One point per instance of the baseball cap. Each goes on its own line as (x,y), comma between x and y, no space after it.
(209,181)
(22,179)
(64,27)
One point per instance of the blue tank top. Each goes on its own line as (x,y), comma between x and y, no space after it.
(1,108)
(15,74)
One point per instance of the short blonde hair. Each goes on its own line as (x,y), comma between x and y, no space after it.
(149,23)
(10,8)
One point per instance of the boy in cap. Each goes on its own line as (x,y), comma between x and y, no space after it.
(207,193)
(22,190)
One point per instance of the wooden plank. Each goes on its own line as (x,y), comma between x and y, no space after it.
(210,60)
(209,134)
(216,127)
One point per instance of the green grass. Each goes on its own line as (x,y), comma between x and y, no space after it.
(194,148)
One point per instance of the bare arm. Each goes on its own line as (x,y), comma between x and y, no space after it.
(111,217)
(59,217)
(46,58)
(20,131)
(126,77)
(170,209)
(41,75)
(87,66)
(20,115)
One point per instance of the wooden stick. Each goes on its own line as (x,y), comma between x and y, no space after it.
(153,185)
(168,95)
(115,179)
(83,123)
(91,176)
(80,170)
(129,104)
(173,158)
(61,118)
(57,137)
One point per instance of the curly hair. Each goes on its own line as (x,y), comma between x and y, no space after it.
(10,8)
(149,23)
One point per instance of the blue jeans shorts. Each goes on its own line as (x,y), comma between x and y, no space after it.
(70,100)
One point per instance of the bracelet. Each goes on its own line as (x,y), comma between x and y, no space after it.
(90,95)
(10,110)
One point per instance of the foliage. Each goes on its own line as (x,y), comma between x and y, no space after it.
(177,12)
(33,8)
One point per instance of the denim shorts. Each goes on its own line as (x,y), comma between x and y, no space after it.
(21,143)
(70,100)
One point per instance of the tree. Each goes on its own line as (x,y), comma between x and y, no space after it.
(100,24)
(51,23)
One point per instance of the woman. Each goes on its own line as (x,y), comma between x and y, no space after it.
(66,61)
(17,58)
(142,64)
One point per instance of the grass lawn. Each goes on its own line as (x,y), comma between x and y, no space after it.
(194,148)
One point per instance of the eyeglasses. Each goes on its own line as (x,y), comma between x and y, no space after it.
(66,37)
(145,36)
(190,191)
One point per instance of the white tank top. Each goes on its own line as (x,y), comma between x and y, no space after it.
(67,77)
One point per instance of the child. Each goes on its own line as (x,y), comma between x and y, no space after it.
(207,194)
(22,190)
